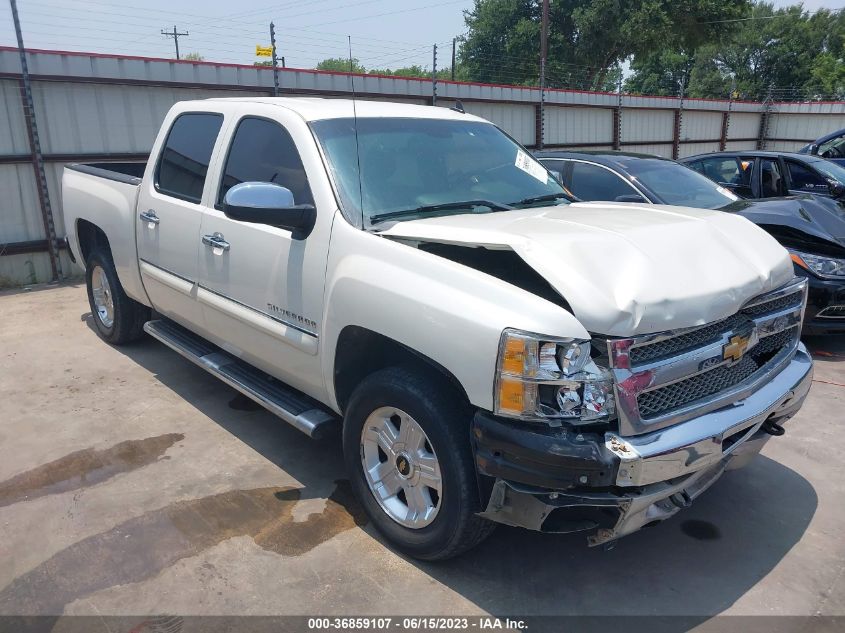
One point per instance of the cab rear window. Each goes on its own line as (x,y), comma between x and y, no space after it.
(184,160)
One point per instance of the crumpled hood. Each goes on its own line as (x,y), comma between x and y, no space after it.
(627,268)
(819,217)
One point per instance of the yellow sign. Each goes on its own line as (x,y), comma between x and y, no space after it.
(263,51)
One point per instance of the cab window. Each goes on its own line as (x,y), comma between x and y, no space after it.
(592,182)
(183,164)
(771,179)
(263,151)
(803,178)
(728,171)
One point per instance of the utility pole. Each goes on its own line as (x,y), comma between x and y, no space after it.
(544,42)
(679,120)
(37,156)
(434,76)
(175,35)
(275,61)
(454,42)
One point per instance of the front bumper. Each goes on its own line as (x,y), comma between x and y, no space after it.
(556,480)
(823,294)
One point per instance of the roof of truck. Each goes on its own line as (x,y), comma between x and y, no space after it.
(316,108)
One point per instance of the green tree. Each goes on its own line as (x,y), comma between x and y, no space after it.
(588,39)
(341,64)
(194,57)
(797,53)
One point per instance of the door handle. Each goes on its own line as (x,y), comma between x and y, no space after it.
(149,216)
(215,240)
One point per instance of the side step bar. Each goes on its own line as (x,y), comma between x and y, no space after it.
(292,406)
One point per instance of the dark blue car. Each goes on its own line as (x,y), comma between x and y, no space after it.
(763,174)
(812,228)
(830,146)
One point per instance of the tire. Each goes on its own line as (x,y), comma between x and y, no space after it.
(118,318)
(449,525)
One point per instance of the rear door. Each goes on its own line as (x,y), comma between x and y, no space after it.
(730,172)
(170,213)
(591,181)
(771,178)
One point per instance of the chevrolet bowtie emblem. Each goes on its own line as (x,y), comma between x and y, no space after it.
(736,347)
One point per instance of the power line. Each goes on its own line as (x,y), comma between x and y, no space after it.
(773,17)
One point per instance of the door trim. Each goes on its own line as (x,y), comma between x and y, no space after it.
(167,277)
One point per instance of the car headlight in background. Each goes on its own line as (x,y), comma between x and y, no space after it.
(821,265)
(544,378)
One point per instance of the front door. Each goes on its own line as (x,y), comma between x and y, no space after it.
(261,290)
(170,213)
(803,179)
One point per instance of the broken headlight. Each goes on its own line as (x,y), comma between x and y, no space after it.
(545,378)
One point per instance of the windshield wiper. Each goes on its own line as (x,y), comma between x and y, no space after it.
(544,198)
(445,206)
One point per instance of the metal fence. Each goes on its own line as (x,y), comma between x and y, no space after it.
(94,107)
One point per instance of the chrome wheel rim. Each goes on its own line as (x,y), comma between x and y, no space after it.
(103,300)
(401,467)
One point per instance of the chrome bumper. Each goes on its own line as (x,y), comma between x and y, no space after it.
(704,442)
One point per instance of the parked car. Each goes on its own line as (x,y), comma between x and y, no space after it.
(830,146)
(753,174)
(413,278)
(812,228)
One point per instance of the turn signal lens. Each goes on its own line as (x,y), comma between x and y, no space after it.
(516,397)
(519,355)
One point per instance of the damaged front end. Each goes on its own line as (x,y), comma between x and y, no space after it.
(706,406)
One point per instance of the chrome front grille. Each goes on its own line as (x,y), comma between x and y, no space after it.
(683,392)
(707,334)
(684,342)
(669,377)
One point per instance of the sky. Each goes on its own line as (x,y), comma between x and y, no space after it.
(385,33)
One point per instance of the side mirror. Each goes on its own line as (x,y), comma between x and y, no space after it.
(630,197)
(557,175)
(836,188)
(271,204)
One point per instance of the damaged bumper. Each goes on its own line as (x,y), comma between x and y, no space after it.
(555,480)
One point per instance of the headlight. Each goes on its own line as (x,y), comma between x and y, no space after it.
(821,265)
(544,378)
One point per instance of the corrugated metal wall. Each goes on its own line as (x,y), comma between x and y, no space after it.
(101,106)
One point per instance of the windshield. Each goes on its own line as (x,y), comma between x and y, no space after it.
(679,185)
(414,168)
(834,148)
(831,170)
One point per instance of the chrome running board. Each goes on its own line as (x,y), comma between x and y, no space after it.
(292,406)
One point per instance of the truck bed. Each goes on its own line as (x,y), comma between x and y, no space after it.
(130,173)
(105,195)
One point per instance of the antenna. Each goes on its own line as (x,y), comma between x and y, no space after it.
(355,127)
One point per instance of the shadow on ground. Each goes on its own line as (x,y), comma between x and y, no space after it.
(696,564)
(826,348)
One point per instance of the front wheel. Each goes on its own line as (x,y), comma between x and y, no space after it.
(406,446)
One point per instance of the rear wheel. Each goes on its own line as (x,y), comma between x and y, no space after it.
(118,318)
(406,446)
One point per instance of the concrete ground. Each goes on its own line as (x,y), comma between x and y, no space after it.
(131,482)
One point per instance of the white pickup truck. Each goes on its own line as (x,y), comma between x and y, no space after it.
(490,349)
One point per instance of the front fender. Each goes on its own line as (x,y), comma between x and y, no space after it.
(452,314)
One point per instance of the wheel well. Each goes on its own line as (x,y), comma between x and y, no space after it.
(91,238)
(361,352)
